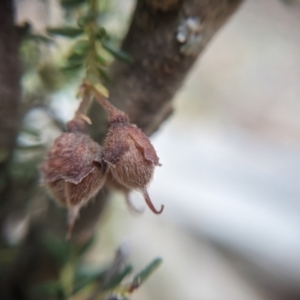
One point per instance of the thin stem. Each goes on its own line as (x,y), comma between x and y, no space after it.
(91,69)
(83,106)
(107,106)
(92,75)
(150,204)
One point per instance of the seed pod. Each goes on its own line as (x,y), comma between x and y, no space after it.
(73,172)
(130,156)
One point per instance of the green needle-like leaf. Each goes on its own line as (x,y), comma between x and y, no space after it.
(39,38)
(72,3)
(119,278)
(144,274)
(119,54)
(81,47)
(76,58)
(70,32)
(103,74)
(102,61)
(71,67)
(83,279)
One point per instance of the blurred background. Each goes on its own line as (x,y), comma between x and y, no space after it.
(231,165)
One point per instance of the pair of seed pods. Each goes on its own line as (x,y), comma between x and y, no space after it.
(77,167)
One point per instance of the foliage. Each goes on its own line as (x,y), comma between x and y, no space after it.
(77,282)
(92,47)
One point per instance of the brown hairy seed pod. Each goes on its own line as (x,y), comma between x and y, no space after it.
(128,152)
(73,172)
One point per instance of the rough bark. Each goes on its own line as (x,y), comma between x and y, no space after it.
(10,95)
(10,74)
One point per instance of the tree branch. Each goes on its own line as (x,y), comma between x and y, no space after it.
(10,91)
(10,74)
(145,88)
